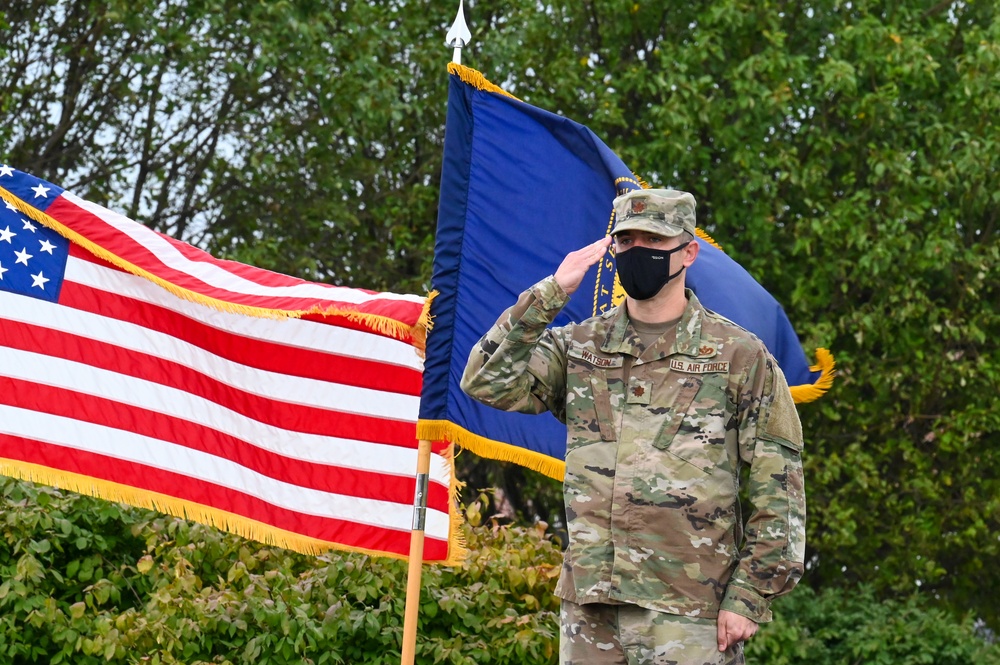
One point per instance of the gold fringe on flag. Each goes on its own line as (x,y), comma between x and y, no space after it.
(219,519)
(476,79)
(707,238)
(458,548)
(381,324)
(425,323)
(825,364)
(444,430)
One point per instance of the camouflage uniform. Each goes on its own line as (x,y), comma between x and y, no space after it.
(599,634)
(655,441)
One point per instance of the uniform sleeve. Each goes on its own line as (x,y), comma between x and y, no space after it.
(520,365)
(770,439)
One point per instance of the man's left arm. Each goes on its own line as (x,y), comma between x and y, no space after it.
(770,440)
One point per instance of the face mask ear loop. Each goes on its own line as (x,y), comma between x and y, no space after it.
(670,252)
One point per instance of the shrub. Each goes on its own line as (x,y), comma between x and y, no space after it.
(87,581)
(847,627)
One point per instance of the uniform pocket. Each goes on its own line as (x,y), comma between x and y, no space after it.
(795,490)
(674,408)
(589,414)
(602,405)
(696,428)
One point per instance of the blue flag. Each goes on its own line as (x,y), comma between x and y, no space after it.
(520,188)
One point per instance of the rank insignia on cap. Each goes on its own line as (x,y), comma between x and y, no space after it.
(638,206)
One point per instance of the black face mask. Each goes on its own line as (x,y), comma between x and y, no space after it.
(643,271)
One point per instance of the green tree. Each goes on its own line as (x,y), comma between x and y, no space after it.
(296,135)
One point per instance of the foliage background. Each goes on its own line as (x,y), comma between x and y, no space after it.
(845,152)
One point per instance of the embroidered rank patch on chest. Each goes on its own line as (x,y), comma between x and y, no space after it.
(638,391)
(699,368)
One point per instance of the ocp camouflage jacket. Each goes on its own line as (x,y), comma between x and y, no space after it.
(653,467)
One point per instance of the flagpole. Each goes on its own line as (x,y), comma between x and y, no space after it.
(458,36)
(416,558)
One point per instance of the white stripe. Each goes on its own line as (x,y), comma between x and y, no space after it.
(220,278)
(273,385)
(177,459)
(298,333)
(344,453)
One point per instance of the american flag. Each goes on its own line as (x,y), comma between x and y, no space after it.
(137,368)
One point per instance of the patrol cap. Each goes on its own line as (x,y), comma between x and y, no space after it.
(665,212)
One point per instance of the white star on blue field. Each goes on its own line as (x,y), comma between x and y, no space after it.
(32,256)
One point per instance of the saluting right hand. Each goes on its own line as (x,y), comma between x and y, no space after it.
(576,264)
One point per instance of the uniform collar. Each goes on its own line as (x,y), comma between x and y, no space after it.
(622,337)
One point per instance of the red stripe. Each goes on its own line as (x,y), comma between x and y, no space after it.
(270,356)
(284,415)
(103,234)
(155,425)
(247,272)
(139,476)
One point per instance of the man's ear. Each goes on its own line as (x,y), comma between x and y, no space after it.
(691,252)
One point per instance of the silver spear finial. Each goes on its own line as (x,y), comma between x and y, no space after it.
(458,34)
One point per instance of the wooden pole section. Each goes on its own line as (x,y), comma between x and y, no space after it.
(457,37)
(416,558)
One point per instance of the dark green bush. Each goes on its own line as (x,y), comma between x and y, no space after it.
(853,627)
(86,581)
